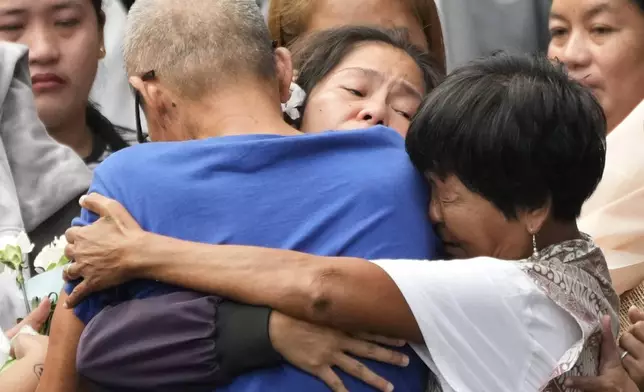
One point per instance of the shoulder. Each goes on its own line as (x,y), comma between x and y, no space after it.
(377,153)
(130,164)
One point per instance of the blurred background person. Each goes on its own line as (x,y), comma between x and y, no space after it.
(65,40)
(475,28)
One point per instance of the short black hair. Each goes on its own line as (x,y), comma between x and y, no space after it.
(317,54)
(516,130)
(640,3)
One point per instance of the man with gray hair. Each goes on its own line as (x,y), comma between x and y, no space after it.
(202,70)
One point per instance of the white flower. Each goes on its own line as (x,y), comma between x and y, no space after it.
(51,255)
(294,102)
(21,240)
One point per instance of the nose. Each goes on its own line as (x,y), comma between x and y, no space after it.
(43,47)
(575,53)
(374,112)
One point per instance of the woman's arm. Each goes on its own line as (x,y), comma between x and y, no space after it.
(60,366)
(346,293)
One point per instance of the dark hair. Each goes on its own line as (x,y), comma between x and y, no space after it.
(640,3)
(100,15)
(315,55)
(516,130)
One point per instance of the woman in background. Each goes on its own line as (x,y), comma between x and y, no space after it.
(65,40)
(290,19)
(602,45)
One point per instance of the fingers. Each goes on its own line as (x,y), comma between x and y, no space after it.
(332,380)
(72,272)
(95,203)
(381,339)
(364,349)
(360,371)
(588,384)
(36,319)
(610,355)
(77,295)
(635,314)
(71,234)
(632,345)
(107,208)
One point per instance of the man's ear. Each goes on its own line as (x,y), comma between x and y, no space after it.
(157,104)
(284,68)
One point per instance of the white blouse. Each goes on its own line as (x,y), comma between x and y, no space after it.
(486,325)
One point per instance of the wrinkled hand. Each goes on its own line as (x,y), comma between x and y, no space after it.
(25,345)
(317,349)
(612,375)
(632,342)
(36,319)
(101,252)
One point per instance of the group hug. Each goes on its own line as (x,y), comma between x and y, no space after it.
(326,209)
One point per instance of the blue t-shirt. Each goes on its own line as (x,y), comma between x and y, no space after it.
(352,193)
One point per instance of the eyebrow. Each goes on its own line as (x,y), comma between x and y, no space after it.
(67,4)
(591,13)
(12,11)
(375,74)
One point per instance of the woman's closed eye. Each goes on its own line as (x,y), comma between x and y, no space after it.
(355,92)
(404,114)
(601,30)
(11,27)
(67,22)
(557,32)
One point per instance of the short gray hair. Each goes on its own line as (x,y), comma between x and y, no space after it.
(193,44)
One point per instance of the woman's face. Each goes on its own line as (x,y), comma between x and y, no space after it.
(375,84)
(601,42)
(383,13)
(65,43)
(471,226)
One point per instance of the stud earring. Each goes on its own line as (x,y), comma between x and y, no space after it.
(102,51)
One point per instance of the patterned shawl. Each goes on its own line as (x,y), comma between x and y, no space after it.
(575,276)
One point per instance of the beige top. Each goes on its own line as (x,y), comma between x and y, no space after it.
(614,215)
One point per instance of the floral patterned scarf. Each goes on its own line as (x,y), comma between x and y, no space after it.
(575,276)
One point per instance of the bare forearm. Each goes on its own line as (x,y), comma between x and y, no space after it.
(60,366)
(347,293)
(23,375)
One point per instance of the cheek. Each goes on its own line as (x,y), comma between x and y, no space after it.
(325,111)
(80,60)
(399,124)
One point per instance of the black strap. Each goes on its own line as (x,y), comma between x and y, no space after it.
(127,4)
(243,341)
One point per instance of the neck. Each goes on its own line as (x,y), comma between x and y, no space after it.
(555,232)
(74,134)
(234,111)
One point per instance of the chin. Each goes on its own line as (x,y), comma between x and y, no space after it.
(50,114)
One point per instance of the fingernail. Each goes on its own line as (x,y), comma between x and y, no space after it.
(633,307)
(568,383)
(390,387)
(66,305)
(405,361)
(82,198)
